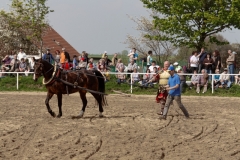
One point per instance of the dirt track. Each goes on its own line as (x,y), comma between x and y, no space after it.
(130,129)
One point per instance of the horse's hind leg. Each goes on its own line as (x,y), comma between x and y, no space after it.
(59,95)
(49,96)
(98,97)
(84,101)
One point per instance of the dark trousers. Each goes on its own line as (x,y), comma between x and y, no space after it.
(180,105)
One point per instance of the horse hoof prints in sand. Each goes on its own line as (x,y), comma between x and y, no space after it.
(59,82)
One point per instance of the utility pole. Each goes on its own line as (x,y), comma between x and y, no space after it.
(40,29)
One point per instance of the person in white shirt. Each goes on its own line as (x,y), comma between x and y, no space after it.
(152,66)
(21,54)
(194,61)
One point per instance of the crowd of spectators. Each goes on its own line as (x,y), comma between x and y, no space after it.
(209,63)
(200,64)
(16,63)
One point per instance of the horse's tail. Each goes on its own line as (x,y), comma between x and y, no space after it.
(101,86)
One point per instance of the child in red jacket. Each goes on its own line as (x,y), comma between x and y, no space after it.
(67,65)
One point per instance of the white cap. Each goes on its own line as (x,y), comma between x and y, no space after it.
(63,49)
(175,64)
(105,51)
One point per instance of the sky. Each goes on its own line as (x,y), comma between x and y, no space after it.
(96,26)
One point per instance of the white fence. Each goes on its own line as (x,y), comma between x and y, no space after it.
(114,73)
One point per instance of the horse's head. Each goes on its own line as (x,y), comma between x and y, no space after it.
(38,70)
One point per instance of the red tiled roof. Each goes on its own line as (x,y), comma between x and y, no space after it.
(55,41)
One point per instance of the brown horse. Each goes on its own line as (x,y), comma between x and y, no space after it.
(61,82)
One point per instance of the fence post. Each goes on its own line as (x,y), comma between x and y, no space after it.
(131,82)
(212,84)
(17,80)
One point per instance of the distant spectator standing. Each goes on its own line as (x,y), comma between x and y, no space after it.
(130,55)
(230,62)
(207,63)
(48,57)
(216,61)
(202,55)
(135,56)
(21,54)
(104,54)
(64,55)
(107,61)
(57,57)
(149,59)
(114,59)
(194,61)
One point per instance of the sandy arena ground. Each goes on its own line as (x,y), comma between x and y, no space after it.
(130,129)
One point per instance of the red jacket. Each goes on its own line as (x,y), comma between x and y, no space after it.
(67,66)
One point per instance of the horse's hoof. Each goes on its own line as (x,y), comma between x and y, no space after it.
(59,116)
(100,115)
(53,114)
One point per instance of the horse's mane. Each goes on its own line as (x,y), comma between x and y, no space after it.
(45,63)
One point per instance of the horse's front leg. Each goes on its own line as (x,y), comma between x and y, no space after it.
(49,96)
(59,96)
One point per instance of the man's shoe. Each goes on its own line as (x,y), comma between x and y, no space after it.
(159,113)
(162,117)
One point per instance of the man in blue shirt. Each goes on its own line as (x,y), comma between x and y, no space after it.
(48,57)
(135,56)
(174,93)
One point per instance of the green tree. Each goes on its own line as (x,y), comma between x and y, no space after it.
(190,22)
(27,20)
(162,50)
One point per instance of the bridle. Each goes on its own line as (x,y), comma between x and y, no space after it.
(40,73)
